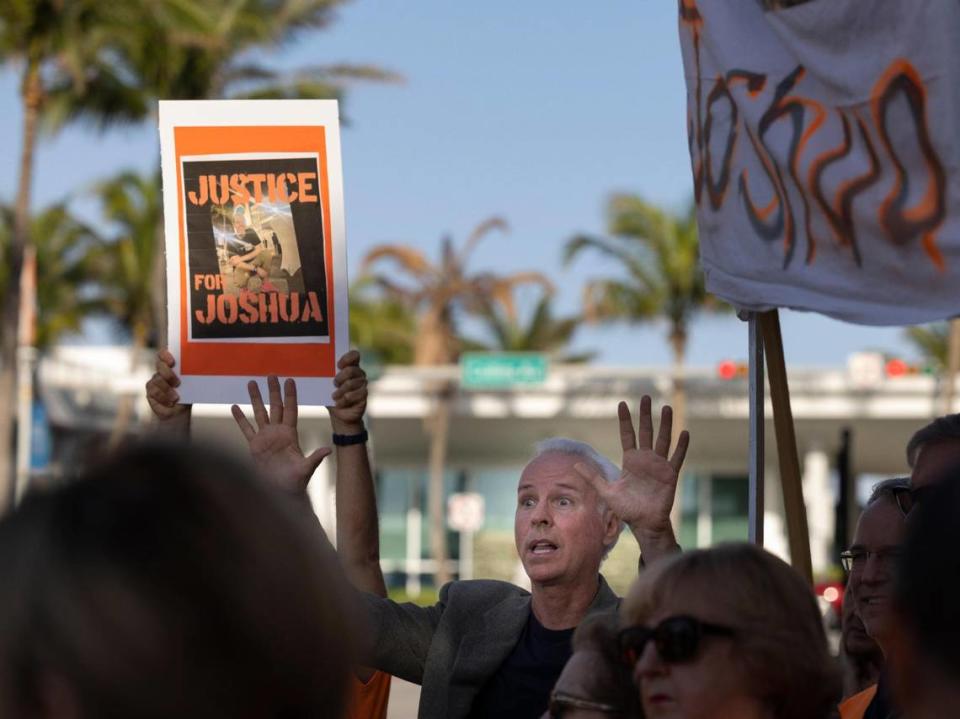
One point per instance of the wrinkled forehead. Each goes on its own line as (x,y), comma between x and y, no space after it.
(552,468)
(881,524)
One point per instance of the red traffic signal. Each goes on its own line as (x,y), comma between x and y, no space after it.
(897,368)
(728,369)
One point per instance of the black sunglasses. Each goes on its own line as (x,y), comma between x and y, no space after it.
(908,497)
(677,639)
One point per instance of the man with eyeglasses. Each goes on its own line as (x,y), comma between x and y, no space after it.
(870,563)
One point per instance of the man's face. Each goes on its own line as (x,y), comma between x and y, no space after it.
(856,642)
(558,527)
(879,534)
(934,459)
(239,224)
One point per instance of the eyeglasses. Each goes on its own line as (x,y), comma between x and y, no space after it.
(854,560)
(908,497)
(677,639)
(561,701)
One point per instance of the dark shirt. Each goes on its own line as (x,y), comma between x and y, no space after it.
(881,707)
(521,687)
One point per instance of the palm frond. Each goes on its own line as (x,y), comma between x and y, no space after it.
(407,258)
(479,232)
(931,342)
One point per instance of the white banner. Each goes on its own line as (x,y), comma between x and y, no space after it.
(824,147)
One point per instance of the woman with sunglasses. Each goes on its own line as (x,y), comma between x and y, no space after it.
(727,633)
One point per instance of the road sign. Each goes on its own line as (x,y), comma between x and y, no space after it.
(465,511)
(489,370)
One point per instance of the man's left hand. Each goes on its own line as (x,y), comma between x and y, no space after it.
(644,494)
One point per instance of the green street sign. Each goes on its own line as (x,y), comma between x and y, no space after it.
(497,370)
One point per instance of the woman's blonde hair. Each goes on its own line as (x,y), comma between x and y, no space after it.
(780,638)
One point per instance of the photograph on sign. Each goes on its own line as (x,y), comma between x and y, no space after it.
(256,268)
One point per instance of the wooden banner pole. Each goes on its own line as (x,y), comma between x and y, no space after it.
(757,417)
(797,533)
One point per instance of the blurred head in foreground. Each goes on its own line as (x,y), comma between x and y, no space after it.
(933,449)
(168,582)
(595,683)
(727,633)
(924,665)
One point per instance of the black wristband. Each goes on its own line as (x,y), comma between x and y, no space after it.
(345,440)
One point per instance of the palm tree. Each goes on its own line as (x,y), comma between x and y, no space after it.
(931,342)
(382,328)
(539,332)
(660,255)
(64,54)
(439,292)
(65,252)
(939,345)
(192,51)
(132,204)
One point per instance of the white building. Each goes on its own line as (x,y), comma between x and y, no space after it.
(492,433)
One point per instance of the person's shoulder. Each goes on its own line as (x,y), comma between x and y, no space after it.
(481,590)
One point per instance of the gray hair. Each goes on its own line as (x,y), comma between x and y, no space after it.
(942,428)
(887,488)
(576,448)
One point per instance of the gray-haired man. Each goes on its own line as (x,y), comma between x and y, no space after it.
(490,648)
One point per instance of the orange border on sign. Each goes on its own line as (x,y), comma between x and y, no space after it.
(255,359)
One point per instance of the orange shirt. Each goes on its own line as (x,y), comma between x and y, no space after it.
(856,706)
(368,700)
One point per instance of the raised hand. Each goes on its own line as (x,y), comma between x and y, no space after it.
(274,444)
(644,494)
(350,395)
(162,395)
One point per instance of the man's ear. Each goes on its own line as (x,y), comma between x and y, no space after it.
(611,528)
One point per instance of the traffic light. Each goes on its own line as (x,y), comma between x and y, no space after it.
(896,367)
(728,369)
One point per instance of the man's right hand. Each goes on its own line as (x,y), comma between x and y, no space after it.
(350,395)
(162,396)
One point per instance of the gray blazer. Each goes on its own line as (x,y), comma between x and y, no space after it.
(455,646)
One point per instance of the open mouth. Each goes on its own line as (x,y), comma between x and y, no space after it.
(542,547)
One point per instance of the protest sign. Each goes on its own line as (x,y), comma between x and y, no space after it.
(824,148)
(256,266)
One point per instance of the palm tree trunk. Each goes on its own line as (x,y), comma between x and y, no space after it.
(678,400)
(125,407)
(953,364)
(32,96)
(439,428)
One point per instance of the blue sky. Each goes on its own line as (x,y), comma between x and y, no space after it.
(534,111)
